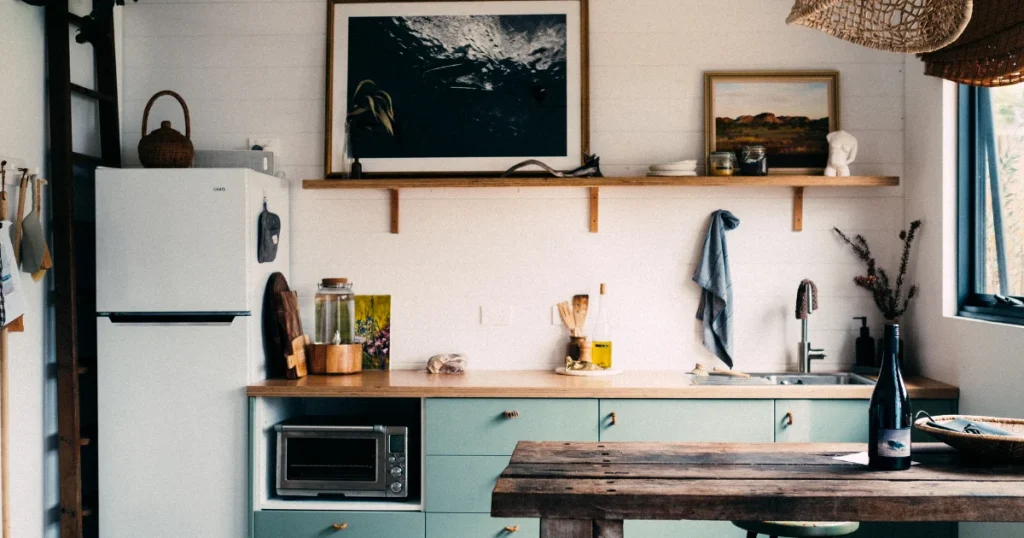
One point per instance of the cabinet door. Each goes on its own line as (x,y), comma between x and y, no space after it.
(637,528)
(493,426)
(743,421)
(311,524)
(821,421)
(839,421)
(480,526)
(740,421)
(462,483)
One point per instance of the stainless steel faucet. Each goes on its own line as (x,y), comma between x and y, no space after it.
(807,352)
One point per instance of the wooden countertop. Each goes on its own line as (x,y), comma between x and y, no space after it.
(547,384)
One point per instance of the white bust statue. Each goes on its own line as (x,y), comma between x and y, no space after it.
(842,150)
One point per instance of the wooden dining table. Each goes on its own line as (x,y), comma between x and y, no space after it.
(586,490)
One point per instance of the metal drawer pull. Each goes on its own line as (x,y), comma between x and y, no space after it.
(339,526)
(513,528)
(511,414)
(613,419)
(789,418)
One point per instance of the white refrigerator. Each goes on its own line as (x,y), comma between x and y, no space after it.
(179,296)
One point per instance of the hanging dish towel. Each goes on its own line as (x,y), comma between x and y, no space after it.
(712,275)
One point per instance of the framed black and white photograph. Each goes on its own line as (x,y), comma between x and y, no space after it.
(455,87)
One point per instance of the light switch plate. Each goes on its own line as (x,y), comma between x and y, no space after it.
(495,315)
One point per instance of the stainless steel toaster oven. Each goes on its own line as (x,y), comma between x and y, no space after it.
(353,461)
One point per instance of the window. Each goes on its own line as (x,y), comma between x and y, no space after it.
(991,208)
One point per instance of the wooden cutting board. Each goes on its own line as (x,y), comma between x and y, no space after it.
(283,339)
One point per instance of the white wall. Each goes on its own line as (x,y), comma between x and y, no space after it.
(32,402)
(255,68)
(982,358)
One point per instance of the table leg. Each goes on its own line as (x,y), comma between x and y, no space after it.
(580,528)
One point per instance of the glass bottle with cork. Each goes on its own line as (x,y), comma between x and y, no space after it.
(601,348)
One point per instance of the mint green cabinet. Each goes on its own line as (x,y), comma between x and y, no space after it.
(636,528)
(461,483)
(838,421)
(740,421)
(821,421)
(309,524)
(493,426)
(480,526)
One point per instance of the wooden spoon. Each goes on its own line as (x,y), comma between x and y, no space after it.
(580,305)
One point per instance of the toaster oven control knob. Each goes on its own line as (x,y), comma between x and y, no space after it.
(396,471)
(396,487)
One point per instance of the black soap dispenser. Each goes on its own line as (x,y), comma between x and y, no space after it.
(865,349)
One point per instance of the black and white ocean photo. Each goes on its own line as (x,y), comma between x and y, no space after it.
(484,90)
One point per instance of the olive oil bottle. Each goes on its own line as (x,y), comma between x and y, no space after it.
(601,350)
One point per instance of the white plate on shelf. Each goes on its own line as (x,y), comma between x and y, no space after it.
(678,166)
(654,173)
(587,373)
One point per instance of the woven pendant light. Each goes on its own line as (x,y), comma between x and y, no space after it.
(990,52)
(909,26)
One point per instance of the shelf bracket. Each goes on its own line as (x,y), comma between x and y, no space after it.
(798,209)
(394,210)
(595,202)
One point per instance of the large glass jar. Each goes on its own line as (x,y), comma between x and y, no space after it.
(335,312)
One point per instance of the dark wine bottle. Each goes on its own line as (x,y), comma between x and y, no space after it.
(889,412)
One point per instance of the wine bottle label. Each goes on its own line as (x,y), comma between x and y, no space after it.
(894,443)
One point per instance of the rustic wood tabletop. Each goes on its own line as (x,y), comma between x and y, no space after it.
(586,489)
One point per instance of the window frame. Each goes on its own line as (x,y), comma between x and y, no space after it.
(971,217)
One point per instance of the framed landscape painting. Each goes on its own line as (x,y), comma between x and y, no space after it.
(456,87)
(788,112)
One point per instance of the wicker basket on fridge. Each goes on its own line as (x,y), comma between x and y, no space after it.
(165,147)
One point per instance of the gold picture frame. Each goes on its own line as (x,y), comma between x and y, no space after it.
(571,160)
(799,97)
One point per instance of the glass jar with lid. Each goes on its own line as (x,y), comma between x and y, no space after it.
(722,163)
(754,161)
(334,312)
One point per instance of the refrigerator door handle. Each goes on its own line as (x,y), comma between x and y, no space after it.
(193,318)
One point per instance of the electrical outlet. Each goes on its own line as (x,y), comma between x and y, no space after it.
(268,144)
(496,315)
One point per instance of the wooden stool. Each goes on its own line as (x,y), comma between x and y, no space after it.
(797,529)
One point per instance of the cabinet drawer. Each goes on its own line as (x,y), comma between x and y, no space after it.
(308,524)
(839,421)
(681,529)
(821,421)
(462,483)
(479,426)
(748,421)
(480,526)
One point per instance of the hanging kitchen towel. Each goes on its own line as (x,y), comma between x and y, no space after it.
(712,274)
(12,297)
(269,235)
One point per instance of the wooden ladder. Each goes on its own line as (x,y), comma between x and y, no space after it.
(72,176)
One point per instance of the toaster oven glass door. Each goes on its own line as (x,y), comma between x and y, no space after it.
(333,461)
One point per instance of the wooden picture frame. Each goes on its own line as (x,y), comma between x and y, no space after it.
(732,102)
(575,109)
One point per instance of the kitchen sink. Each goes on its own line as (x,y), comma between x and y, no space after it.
(816,379)
(787,378)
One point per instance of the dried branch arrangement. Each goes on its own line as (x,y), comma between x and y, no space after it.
(889,300)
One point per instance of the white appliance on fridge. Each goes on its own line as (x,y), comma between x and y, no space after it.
(179,296)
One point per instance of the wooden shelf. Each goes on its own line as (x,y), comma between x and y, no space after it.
(698,181)
(797,183)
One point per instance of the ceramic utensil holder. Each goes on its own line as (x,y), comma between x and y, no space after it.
(335,359)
